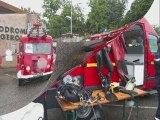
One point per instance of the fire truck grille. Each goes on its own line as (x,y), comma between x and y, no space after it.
(35,68)
(39,65)
(34,65)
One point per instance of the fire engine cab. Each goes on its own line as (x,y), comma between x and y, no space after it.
(35,57)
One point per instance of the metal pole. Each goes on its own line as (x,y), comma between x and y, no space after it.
(71,17)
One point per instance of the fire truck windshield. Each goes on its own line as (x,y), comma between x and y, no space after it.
(37,48)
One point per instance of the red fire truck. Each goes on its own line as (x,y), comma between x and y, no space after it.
(141,45)
(35,57)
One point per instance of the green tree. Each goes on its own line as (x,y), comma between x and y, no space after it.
(105,14)
(58,24)
(27,10)
(77,18)
(138,9)
(116,11)
(51,7)
(157,29)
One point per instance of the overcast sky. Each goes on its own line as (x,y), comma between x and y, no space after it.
(153,15)
(36,5)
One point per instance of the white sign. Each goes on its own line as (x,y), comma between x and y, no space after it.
(28,48)
(8,52)
(9,56)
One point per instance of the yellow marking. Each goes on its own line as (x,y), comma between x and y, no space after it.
(95,64)
(91,64)
(152,62)
(114,64)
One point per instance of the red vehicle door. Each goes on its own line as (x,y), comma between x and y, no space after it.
(151,38)
(151,50)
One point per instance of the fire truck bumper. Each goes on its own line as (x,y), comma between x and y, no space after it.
(20,76)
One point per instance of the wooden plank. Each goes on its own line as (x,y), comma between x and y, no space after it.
(66,106)
(140,92)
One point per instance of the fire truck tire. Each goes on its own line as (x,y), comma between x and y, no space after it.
(47,77)
(21,82)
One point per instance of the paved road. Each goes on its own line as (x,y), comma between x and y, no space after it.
(12,96)
(147,110)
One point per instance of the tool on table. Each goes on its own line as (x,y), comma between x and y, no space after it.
(128,89)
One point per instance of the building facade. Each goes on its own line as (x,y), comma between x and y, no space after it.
(13,24)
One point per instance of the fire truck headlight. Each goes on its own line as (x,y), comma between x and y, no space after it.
(48,66)
(49,56)
(28,68)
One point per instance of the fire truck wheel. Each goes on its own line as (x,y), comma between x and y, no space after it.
(21,82)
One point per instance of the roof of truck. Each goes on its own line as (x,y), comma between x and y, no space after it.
(147,27)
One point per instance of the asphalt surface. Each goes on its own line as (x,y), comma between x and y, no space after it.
(114,111)
(13,97)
